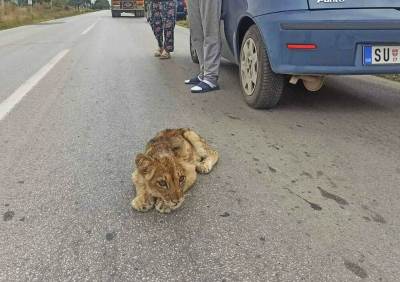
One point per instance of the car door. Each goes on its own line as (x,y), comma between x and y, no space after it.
(232,12)
(226,28)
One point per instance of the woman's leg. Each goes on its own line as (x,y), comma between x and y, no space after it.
(169,19)
(150,19)
(156,22)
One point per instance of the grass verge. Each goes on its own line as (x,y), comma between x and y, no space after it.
(14,16)
(184,23)
(395,77)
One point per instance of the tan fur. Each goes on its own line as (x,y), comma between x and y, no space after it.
(168,169)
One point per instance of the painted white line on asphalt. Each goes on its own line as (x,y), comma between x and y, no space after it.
(8,104)
(88,29)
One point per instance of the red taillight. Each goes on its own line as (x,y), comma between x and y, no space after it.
(302,46)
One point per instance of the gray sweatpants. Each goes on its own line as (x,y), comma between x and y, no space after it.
(204,17)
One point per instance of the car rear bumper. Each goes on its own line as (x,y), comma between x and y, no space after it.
(338,34)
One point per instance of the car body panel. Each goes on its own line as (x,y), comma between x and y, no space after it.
(356,4)
(338,34)
(181,9)
(339,41)
(234,11)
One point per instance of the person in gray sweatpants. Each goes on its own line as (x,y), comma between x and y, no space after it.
(204,18)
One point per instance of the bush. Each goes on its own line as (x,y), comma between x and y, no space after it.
(101,5)
(13,15)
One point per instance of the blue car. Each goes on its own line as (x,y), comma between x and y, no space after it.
(276,41)
(181,10)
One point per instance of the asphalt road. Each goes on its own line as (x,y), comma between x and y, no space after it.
(308,191)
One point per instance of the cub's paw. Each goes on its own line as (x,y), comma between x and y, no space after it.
(203,168)
(140,205)
(161,207)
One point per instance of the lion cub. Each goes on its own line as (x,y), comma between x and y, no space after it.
(168,168)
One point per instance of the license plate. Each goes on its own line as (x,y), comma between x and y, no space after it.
(381,55)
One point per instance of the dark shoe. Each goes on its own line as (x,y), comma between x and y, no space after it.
(194,81)
(204,87)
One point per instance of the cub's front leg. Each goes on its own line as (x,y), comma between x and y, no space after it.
(191,175)
(161,207)
(143,201)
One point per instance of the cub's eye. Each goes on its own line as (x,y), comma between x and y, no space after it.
(182,179)
(162,183)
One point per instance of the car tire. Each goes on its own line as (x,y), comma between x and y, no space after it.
(193,53)
(261,87)
(113,14)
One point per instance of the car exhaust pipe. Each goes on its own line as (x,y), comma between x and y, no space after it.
(311,82)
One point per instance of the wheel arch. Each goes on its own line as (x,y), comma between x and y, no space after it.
(245,23)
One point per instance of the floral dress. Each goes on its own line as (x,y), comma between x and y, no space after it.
(162,21)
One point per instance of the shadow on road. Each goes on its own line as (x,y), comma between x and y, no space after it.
(332,98)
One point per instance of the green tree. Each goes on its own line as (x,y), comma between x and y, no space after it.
(101,5)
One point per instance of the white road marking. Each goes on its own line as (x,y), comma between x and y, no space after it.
(88,29)
(8,104)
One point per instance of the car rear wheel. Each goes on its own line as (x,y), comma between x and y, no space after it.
(261,87)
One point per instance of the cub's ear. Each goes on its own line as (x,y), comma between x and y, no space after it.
(143,164)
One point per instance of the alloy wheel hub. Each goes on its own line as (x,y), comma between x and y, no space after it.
(249,66)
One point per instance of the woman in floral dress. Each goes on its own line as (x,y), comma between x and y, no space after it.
(162,21)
